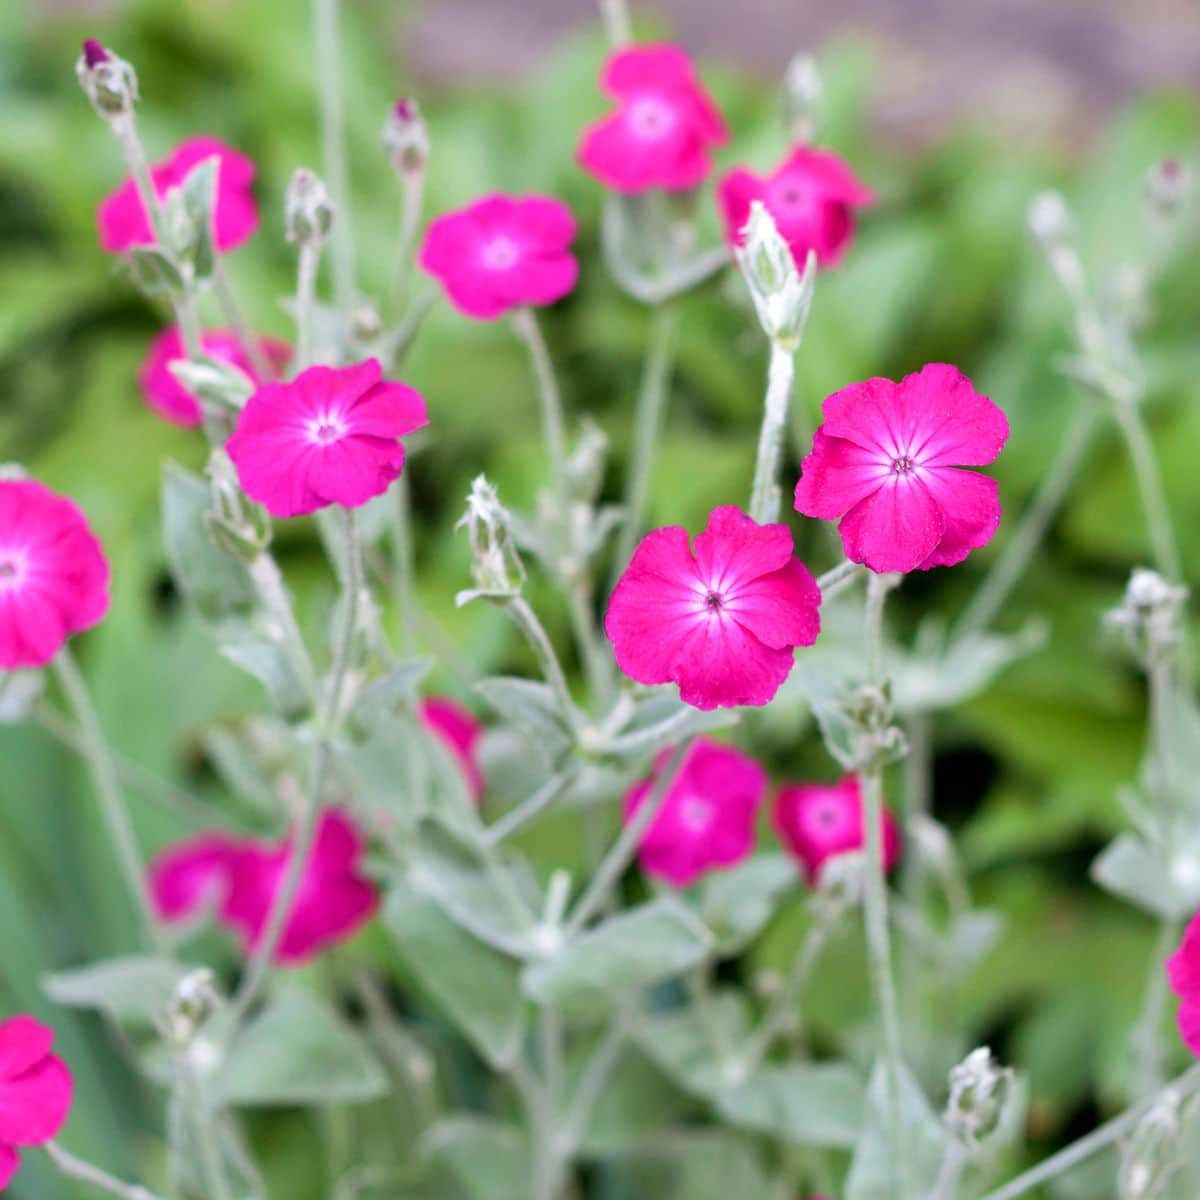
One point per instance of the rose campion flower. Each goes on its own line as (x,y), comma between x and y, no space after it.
(53,574)
(1183,972)
(170,399)
(240,877)
(459,730)
(502,252)
(886,461)
(721,622)
(817,822)
(663,128)
(811,196)
(123,220)
(706,820)
(35,1090)
(330,436)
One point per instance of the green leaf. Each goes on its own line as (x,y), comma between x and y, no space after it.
(199,196)
(474,985)
(1164,882)
(706,1165)
(635,949)
(392,688)
(532,708)
(297,1051)
(738,903)
(219,383)
(683,1041)
(260,655)
(487,1159)
(810,1105)
(155,273)
(134,989)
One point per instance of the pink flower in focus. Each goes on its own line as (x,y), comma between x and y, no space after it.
(817,822)
(663,128)
(35,1090)
(330,436)
(170,399)
(1183,972)
(461,733)
(811,196)
(706,820)
(53,574)
(241,878)
(886,462)
(721,622)
(123,220)
(502,252)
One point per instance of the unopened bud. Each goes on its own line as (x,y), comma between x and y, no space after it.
(1050,219)
(804,96)
(979,1090)
(495,563)
(194,1001)
(1167,186)
(307,210)
(1150,615)
(109,82)
(781,295)
(406,138)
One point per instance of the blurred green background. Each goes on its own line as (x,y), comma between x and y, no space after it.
(1027,773)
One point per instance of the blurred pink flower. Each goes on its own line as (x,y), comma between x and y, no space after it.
(455,725)
(706,820)
(811,196)
(886,462)
(35,1090)
(817,822)
(1183,972)
(330,436)
(502,252)
(53,574)
(170,399)
(663,128)
(123,220)
(721,622)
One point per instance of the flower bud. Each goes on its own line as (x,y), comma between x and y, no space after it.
(194,1001)
(781,295)
(406,138)
(979,1090)
(804,95)
(1151,613)
(1152,1154)
(307,210)
(109,82)
(1168,184)
(495,563)
(1050,221)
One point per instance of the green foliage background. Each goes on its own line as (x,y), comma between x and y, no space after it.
(1026,774)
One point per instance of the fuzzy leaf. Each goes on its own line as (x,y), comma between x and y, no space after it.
(135,988)
(801,1103)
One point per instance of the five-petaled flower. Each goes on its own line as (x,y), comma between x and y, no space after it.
(706,819)
(501,253)
(886,462)
(240,878)
(53,574)
(664,126)
(124,222)
(1183,972)
(330,436)
(721,622)
(460,733)
(811,197)
(35,1090)
(817,822)
(170,399)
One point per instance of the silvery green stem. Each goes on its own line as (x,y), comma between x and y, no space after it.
(595,1077)
(529,809)
(549,1152)
(306,291)
(553,432)
(85,1172)
(112,803)
(413,184)
(945,1187)
(595,661)
(333,148)
(616,22)
(189,322)
(838,578)
(764,494)
(403,565)
(1150,488)
(200,1111)
(647,424)
(125,129)
(535,635)
(277,604)
(235,314)
(1147,1035)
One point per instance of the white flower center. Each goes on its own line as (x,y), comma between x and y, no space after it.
(327,428)
(903,465)
(12,570)
(650,118)
(696,814)
(500,253)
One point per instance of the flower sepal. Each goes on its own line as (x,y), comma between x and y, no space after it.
(782,295)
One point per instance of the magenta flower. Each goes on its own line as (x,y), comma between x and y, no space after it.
(240,879)
(502,252)
(817,822)
(886,462)
(706,820)
(53,574)
(720,622)
(663,128)
(459,730)
(124,222)
(811,196)
(170,399)
(35,1090)
(1183,972)
(330,436)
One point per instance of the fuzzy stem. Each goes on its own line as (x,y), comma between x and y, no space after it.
(553,431)
(235,314)
(595,661)
(125,130)
(413,190)
(526,620)
(306,291)
(529,808)
(595,1076)
(403,569)
(85,1172)
(764,494)
(945,1186)
(1147,1035)
(272,594)
(1150,488)
(333,148)
(838,578)
(549,1159)
(617,22)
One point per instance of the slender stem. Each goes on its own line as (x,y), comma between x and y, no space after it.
(85,1172)
(1098,1139)
(548,1152)
(189,322)
(277,604)
(404,570)
(112,803)
(764,494)
(344,650)
(595,1077)
(306,291)
(333,148)
(529,809)
(1150,488)
(837,578)
(616,22)
(413,190)
(1147,1035)
(621,854)
(653,392)
(945,1187)
(201,1113)
(125,129)
(235,314)
(698,982)
(526,620)
(553,431)
(595,661)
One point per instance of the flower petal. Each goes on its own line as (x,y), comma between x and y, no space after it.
(723,665)
(955,426)
(895,528)
(34,1106)
(836,475)
(971,511)
(24,1042)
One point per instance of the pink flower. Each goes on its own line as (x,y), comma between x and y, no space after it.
(817,822)
(241,878)
(810,195)
(1183,972)
(35,1090)
(170,399)
(722,622)
(330,436)
(886,462)
(706,820)
(124,222)
(53,574)
(663,128)
(502,252)
(461,733)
